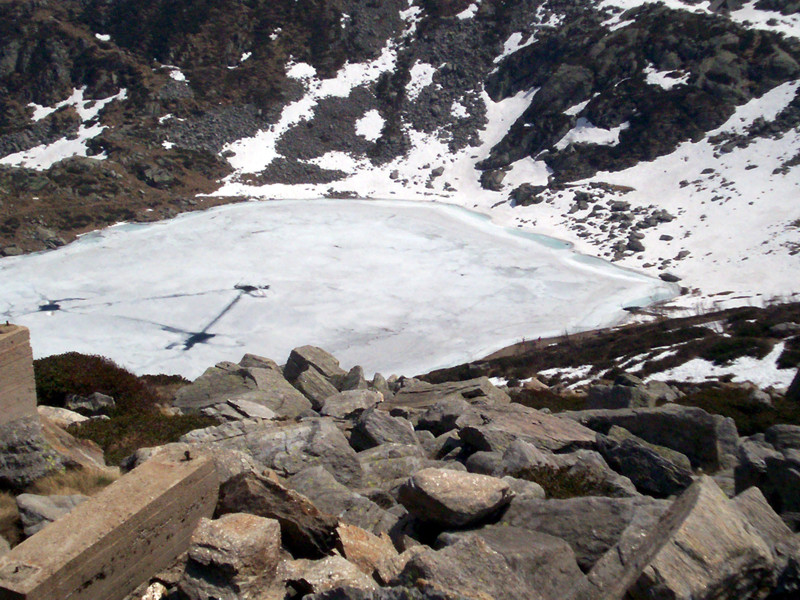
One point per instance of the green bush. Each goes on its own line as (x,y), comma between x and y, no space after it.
(75,373)
(126,433)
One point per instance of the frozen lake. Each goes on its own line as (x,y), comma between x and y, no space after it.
(398,287)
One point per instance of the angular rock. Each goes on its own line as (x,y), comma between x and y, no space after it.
(315,387)
(783,437)
(231,558)
(759,514)
(506,424)
(709,441)
(701,548)
(545,563)
(375,556)
(619,435)
(446,415)
(468,568)
(793,392)
(618,396)
(277,394)
(237,410)
(287,448)
(93,404)
(389,465)
(25,454)
(332,497)
(354,380)
(317,576)
(258,362)
(376,427)
(350,403)
(379,384)
(521,487)
(451,498)
(649,471)
(305,530)
(38,511)
(60,417)
(419,394)
(228,463)
(301,358)
(590,525)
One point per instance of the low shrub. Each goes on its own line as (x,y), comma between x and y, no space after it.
(725,350)
(75,373)
(568,482)
(125,433)
(539,399)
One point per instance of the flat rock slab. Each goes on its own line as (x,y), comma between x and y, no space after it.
(701,548)
(452,498)
(349,403)
(506,424)
(420,394)
(304,357)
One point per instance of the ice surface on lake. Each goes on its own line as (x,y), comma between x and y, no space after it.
(394,286)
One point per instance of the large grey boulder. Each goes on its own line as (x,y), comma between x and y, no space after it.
(776,473)
(468,568)
(231,558)
(783,437)
(332,497)
(288,448)
(419,394)
(387,466)
(305,530)
(93,404)
(227,381)
(375,427)
(449,414)
(650,472)
(709,441)
(702,548)
(505,424)
(618,396)
(304,357)
(315,387)
(238,409)
(453,499)
(544,563)
(350,403)
(354,380)
(38,511)
(25,454)
(590,525)
(319,576)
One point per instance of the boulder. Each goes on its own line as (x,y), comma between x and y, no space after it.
(527,194)
(374,556)
(318,576)
(544,563)
(619,435)
(470,569)
(354,380)
(37,511)
(650,472)
(777,474)
(419,394)
(305,530)
(451,498)
(446,415)
(350,403)
(701,548)
(227,381)
(231,558)
(493,180)
(376,427)
(315,387)
(590,525)
(709,441)
(332,497)
(618,396)
(521,487)
(759,514)
(388,466)
(287,448)
(91,405)
(60,417)
(783,437)
(304,357)
(504,424)
(258,362)
(25,454)
(793,391)
(237,410)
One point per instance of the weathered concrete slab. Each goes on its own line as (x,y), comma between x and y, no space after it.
(17,384)
(112,543)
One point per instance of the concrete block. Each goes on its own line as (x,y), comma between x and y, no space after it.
(17,384)
(117,540)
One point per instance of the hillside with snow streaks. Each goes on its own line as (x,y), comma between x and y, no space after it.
(660,135)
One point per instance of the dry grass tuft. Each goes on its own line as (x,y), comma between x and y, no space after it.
(77,481)
(10,524)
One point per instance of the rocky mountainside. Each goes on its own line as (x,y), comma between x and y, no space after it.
(645,132)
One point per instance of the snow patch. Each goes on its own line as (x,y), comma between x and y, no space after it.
(469,12)
(103,37)
(370,125)
(585,132)
(421,77)
(664,79)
